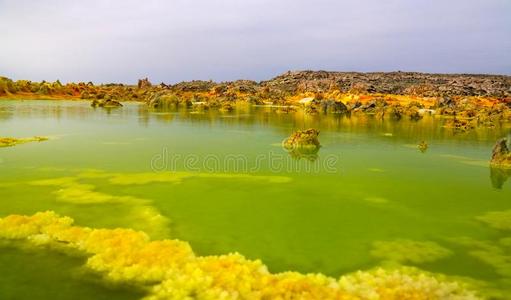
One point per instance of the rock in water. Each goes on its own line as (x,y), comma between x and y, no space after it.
(226,107)
(332,106)
(94,103)
(112,103)
(501,155)
(105,103)
(302,139)
(423,146)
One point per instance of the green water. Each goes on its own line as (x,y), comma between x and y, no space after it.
(323,213)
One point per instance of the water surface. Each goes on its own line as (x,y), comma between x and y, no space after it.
(330,213)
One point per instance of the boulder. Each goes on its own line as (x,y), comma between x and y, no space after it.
(85,95)
(311,109)
(254,100)
(111,103)
(459,125)
(491,116)
(161,100)
(413,110)
(7,86)
(445,101)
(226,107)
(446,111)
(374,105)
(353,104)
(394,111)
(332,106)
(105,103)
(302,139)
(414,113)
(95,103)
(423,146)
(501,155)
(310,105)
(144,83)
(45,89)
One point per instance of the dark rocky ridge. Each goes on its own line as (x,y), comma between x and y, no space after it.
(291,83)
(399,83)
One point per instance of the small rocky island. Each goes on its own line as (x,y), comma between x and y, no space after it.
(302,139)
(105,103)
(303,144)
(501,155)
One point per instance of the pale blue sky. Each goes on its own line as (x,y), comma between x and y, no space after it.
(175,40)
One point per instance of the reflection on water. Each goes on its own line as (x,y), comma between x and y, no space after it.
(306,153)
(499,177)
(249,116)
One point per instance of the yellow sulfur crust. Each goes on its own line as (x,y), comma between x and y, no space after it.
(171,270)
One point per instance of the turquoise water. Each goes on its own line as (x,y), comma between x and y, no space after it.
(367,186)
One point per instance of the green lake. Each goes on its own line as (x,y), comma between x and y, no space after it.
(238,190)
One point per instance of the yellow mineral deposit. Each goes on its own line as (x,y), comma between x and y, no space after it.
(9,142)
(497,219)
(409,251)
(171,270)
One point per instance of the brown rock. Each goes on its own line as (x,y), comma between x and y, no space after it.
(501,155)
(144,83)
(302,138)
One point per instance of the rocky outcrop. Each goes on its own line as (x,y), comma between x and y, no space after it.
(194,86)
(395,112)
(303,144)
(423,146)
(459,125)
(490,116)
(398,83)
(501,155)
(445,101)
(7,86)
(226,107)
(333,106)
(163,100)
(144,83)
(374,106)
(302,139)
(105,103)
(482,100)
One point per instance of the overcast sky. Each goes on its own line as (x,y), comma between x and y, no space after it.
(175,40)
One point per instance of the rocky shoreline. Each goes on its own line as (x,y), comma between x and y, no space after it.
(287,84)
(469,100)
